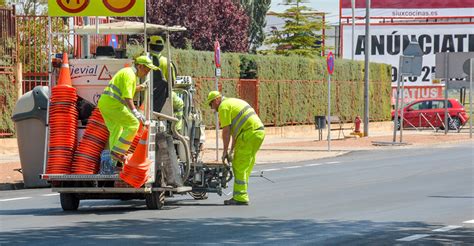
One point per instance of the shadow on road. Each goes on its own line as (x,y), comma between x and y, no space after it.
(238,231)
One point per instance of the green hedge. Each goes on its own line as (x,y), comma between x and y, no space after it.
(292,90)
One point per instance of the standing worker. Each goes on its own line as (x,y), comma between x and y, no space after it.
(178,108)
(116,105)
(160,77)
(238,118)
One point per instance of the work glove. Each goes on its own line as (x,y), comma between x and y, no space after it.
(139,116)
(145,84)
(227,156)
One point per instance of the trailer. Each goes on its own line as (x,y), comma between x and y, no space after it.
(176,166)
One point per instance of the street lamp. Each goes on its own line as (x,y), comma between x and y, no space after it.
(366,72)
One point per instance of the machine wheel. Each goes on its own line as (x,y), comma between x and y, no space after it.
(155,200)
(198,195)
(454,123)
(69,201)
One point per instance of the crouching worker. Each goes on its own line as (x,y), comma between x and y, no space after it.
(116,105)
(239,121)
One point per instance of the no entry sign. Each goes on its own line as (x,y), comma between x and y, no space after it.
(330,62)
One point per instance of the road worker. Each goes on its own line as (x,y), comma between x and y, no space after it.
(160,77)
(116,105)
(178,107)
(239,122)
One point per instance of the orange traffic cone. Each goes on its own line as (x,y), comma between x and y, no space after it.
(135,170)
(64,73)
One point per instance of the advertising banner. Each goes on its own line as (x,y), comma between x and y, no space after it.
(410,93)
(96,7)
(410,9)
(389,40)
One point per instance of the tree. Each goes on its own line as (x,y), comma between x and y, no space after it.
(257,12)
(32,7)
(206,21)
(299,35)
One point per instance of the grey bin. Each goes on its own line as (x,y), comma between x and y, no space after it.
(29,116)
(320,121)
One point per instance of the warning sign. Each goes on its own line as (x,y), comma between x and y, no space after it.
(104,74)
(97,8)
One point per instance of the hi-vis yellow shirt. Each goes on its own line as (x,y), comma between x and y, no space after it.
(122,85)
(239,115)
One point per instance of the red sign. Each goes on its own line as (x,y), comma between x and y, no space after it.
(217,53)
(330,62)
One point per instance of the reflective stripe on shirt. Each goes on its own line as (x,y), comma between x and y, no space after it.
(238,122)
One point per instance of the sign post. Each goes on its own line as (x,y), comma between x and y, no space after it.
(330,68)
(410,64)
(217,61)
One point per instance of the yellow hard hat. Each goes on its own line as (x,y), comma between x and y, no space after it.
(155,39)
(212,96)
(144,60)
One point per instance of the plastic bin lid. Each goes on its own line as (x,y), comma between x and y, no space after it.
(32,104)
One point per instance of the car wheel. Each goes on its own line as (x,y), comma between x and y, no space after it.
(454,123)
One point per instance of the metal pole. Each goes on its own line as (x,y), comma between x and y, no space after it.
(395,118)
(470,98)
(446,64)
(353,28)
(366,72)
(401,111)
(50,86)
(329,113)
(217,123)
(86,41)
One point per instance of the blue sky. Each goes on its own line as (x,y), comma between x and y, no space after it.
(331,7)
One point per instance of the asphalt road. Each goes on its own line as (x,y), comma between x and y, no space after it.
(384,197)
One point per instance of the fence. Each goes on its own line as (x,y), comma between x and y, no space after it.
(7,63)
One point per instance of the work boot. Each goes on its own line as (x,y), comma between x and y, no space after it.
(235,202)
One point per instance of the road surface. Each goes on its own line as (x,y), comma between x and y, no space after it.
(384,197)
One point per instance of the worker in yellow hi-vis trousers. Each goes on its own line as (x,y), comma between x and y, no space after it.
(178,108)
(116,105)
(239,122)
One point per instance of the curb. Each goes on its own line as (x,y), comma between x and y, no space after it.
(12,186)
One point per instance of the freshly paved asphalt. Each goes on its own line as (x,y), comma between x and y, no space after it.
(382,197)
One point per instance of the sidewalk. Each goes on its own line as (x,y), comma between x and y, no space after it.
(282,144)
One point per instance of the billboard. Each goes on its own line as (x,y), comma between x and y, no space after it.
(389,40)
(410,9)
(96,8)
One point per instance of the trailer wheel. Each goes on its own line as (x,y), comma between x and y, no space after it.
(155,200)
(69,201)
(198,195)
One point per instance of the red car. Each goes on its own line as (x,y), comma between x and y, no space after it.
(423,112)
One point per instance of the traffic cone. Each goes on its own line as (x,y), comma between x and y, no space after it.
(135,170)
(64,73)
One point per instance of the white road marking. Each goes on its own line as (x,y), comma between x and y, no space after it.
(271,169)
(413,237)
(291,167)
(313,165)
(14,199)
(447,228)
(52,194)
(468,222)
(332,162)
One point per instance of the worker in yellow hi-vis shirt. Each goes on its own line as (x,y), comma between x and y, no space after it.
(116,105)
(239,122)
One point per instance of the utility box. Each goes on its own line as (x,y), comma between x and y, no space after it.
(29,116)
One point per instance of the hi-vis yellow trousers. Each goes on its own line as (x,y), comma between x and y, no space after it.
(245,152)
(120,122)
